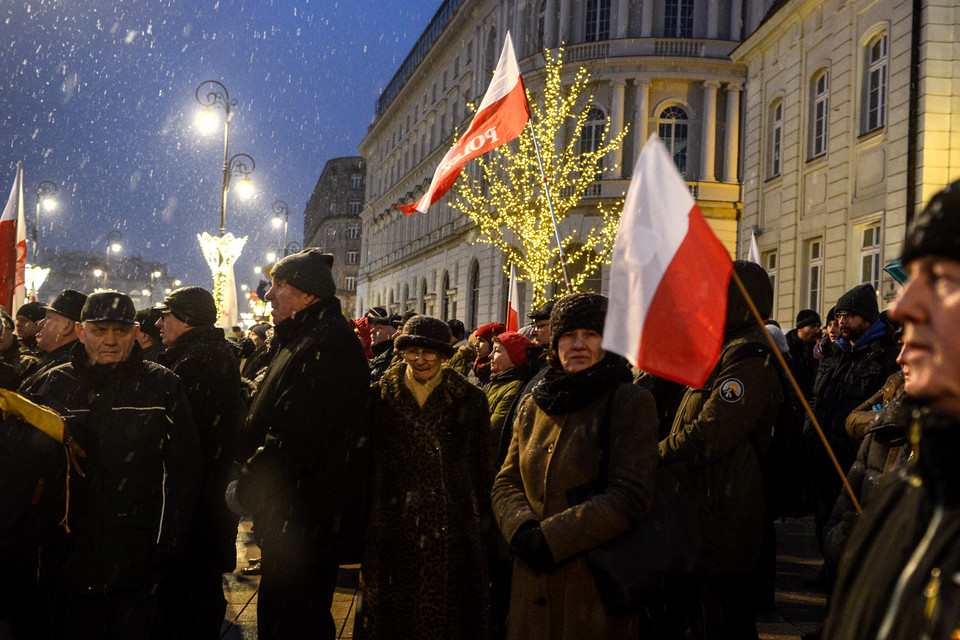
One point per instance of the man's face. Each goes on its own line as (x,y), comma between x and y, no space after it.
(6,338)
(52,328)
(26,327)
(809,333)
(286,300)
(171,328)
(108,341)
(381,333)
(257,340)
(541,335)
(852,326)
(929,308)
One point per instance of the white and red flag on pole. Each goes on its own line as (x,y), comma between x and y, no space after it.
(502,115)
(513,302)
(668,284)
(13,248)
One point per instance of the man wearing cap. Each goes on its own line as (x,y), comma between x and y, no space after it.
(130,512)
(801,340)
(192,602)
(28,317)
(382,331)
(306,483)
(899,576)
(149,336)
(58,333)
(865,356)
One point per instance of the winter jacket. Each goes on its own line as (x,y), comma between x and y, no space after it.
(385,358)
(205,362)
(861,418)
(462,360)
(424,569)
(305,484)
(129,514)
(551,458)
(49,360)
(899,565)
(719,433)
(804,365)
(502,392)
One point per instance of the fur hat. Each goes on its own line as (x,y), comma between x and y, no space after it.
(193,305)
(577,311)
(309,271)
(489,331)
(807,317)
(936,231)
(861,300)
(515,344)
(425,332)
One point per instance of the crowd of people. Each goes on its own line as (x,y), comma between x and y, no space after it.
(470,474)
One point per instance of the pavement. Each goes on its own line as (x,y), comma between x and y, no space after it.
(799,609)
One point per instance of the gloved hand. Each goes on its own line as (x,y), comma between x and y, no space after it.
(531,547)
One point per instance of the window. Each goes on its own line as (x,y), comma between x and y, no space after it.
(814,273)
(591,137)
(474,289)
(353,231)
(333,208)
(331,233)
(820,116)
(353,257)
(355,207)
(356,181)
(776,140)
(349,283)
(870,255)
(875,84)
(444,296)
(769,262)
(541,20)
(678,19)
(673,133)
(597,21)
(333,183)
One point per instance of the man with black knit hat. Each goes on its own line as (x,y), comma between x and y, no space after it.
(28,317)
(191,597)
(57,335)
(864,356)
(149,336)
(899,576)
(801,340)
(306,437)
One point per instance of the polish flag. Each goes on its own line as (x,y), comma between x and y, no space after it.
(668,284)
(502,115)
(13,248)
(753,254)
(513,298)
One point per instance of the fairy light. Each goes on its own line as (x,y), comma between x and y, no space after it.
(504,196)
(220,254)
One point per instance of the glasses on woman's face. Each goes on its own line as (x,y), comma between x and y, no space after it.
(415,354)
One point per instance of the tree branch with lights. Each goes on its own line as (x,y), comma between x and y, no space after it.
(505,198)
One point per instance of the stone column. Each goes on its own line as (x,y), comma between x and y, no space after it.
(564,28)
(623,18)
(709,133)
(736,19)
(713,19)
(641,132)
(616,125)
(646,19)
(550,25)
(731,145)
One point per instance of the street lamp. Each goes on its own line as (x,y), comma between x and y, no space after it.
(280,208)
(45,192)
(113,244)
(154,277)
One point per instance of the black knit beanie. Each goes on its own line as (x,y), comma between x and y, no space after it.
(577,311)
(426,332)
(147,319)
(757,283)
(807,317)
(936,231)
(861,300)
(309,271)
(193,305)
(32,311)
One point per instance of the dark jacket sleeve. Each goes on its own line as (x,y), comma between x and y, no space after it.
(182,463)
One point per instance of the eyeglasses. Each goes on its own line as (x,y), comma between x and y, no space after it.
(415,354)
(844,314)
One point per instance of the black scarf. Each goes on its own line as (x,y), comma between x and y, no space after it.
(560,393)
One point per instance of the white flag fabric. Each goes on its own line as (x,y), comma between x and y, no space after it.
(13,248)
(513,302)
(753,255)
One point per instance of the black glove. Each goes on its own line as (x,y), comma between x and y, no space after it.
(531,547)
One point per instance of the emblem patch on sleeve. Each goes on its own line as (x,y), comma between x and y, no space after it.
(731,390)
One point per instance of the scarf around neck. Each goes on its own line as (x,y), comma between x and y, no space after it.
(560,392)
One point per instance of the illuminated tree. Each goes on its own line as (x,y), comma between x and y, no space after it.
(507,201)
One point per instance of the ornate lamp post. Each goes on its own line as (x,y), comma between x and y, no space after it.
(113,244)
(280,208)
(45,192)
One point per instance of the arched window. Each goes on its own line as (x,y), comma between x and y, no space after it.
(423,296)
(444,296)
(776,138)
(591,136)
(474,288)
(673,131)
(678,18)
(404,301)
(597,21)
(819,113)
(490,56)
(875,84)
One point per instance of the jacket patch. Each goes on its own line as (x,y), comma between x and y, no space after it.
(731,390)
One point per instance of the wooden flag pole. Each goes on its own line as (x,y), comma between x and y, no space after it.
(796,387)
(556,230)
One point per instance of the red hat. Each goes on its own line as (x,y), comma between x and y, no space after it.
(516,346)
(488,331)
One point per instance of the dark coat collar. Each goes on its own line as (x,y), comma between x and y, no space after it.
(289,328)
(188,339)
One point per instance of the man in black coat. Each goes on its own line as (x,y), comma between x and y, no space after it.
(129,513)
(192,599)
(801,340)
(306,483)
(58,333)
(898,578)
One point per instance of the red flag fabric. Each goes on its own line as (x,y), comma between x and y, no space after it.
(669,278)
(13,247)
(513,297)
(502,115)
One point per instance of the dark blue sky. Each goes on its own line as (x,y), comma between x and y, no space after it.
(98,96)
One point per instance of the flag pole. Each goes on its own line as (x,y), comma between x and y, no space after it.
(553,216)
(796,387)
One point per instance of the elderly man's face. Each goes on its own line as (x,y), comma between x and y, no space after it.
(929,308)
(26,327)
(285,300)
(107,341)
(541,334)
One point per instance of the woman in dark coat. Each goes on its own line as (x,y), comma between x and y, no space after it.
(424,572)
(538,496)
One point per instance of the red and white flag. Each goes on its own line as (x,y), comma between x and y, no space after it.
(513,302)
(668,284)
(13,248)
(502,115)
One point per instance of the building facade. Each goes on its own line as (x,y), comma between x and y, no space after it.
(839,153)
(331,222)
(656,66)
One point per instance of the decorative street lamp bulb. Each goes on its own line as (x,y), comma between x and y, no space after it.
(167,290)
(115,247)
(207,121)
(49,204)
(144,292)
(245,188)
(176,283)
(244,287)
(271,256)
(277,222)
(257,269)
(97,273)
(157,274)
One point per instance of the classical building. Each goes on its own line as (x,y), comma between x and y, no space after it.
(656,66)
(839,152)
(331,221)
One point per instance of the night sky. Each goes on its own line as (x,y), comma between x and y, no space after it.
(98,96)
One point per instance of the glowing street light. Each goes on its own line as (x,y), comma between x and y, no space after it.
(271,257)
(113,244)
(45,192)
(280,208)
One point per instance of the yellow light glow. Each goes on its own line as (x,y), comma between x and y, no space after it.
(207,121)
(144,292)
(257,269)
(97,273)
(220,254)
(157,274)
(277,222)
(49,204)
(176,283)
(245,188)
(115,247)
(271,256)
